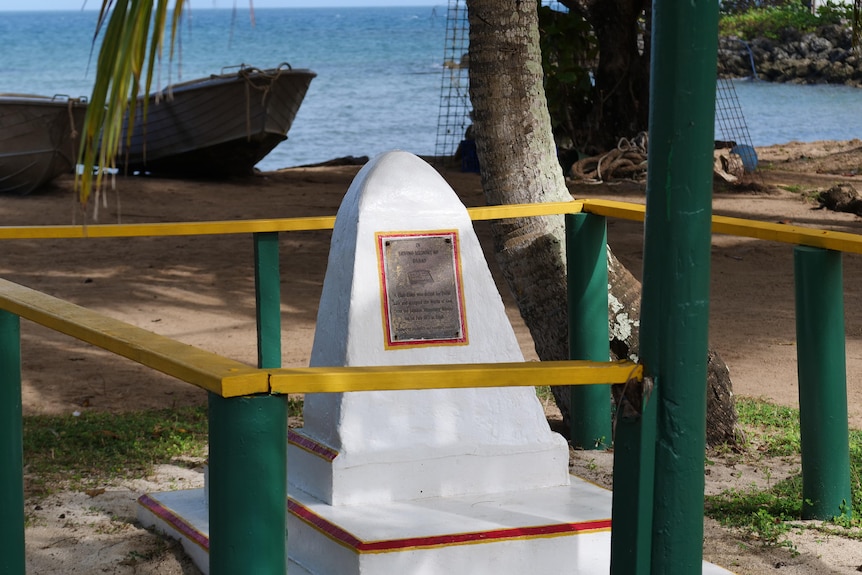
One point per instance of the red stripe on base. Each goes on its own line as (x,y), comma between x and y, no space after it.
(349,540)
(329,529)
(175,521)
(311,446)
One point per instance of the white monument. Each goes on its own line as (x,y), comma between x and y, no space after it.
(407,284)
(429,482)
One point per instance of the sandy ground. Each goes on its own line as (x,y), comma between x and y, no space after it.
(200,291)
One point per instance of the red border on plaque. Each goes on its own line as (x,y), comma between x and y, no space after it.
(462,339)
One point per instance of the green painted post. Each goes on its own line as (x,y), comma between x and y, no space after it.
(267,287)
(587,265)
(677,238)
(821,365)
(248,485)
(248,448)
(632,513)
(12,558)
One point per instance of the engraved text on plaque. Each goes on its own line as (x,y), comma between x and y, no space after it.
(422,293)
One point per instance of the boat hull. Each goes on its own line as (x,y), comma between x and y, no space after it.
(216,127)
(39,139)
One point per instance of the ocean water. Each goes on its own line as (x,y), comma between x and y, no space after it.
(780,113)
(379,74)
(379,70)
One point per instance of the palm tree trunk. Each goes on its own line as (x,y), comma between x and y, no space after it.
(516,151)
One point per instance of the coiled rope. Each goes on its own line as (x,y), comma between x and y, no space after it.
(627,161)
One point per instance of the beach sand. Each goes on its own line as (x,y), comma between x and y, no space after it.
(200,290)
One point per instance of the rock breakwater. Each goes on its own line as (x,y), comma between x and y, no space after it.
(823,57)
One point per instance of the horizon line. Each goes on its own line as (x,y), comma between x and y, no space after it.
(255,8)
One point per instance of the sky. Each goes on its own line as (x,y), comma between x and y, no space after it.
(6,5)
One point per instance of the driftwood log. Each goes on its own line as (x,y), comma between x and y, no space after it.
(841,198)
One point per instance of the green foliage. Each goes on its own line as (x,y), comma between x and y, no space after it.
(568,47)
(96,447)
(856,475)
(776,427)
(762,515)
(768,515)
(295,404)
(835,12)
(773,21)
(729,7)
(133,42)
(544,393)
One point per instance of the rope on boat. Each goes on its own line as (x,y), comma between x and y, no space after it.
(252,78)
(70,104)
(627,161)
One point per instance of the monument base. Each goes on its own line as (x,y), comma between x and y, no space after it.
(541,531)
(183,515)
(327,476)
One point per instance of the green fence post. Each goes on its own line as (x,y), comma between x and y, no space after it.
(634,468)
(821,364)
(587,265)
(248,485)
(677,246)
(267,287)
(12,558)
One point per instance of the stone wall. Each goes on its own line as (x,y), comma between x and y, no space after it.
(824,57)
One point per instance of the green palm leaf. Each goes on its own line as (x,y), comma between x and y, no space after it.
(133,42)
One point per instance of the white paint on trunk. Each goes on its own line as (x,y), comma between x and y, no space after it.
(621,325)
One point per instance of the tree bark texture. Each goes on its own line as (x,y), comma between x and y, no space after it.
(621,100)
(516,150)
(622,74)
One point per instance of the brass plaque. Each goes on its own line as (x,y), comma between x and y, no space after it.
(422,290)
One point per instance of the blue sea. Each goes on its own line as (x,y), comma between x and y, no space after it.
(379,70)
(779,113)
(379,75)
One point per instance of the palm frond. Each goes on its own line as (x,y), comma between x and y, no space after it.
(134,32)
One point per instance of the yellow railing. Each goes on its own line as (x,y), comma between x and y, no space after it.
(790,234)
(229,378)
(207,370)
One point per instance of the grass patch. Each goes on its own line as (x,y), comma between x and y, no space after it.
(544,393)
(294,405)
(793,189)
(98,447)
(810,195)
(93,448)
(768,515)
(773,430)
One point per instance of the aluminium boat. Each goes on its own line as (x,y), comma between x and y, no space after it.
(214,127)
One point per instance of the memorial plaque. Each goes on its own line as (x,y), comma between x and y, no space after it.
(421,288)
